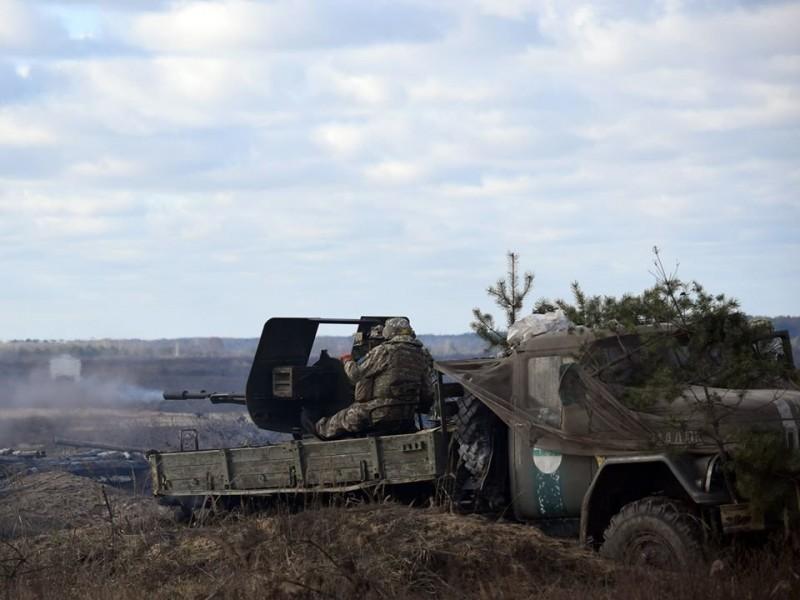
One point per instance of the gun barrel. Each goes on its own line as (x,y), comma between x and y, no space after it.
(228,399)
(213,397)
(187,395)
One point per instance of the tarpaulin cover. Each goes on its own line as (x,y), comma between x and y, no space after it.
(537,324)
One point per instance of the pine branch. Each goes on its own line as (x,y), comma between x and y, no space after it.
(509,297)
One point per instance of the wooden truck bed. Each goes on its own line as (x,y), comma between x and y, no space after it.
(301,466)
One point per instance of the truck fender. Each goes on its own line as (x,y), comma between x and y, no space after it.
(623,479)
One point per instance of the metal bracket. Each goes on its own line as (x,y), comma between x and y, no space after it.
(189,436)
(226,468)
(375,455)
(414,446)
(299,475)
(740,517)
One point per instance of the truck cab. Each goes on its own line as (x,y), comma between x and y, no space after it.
(549,423)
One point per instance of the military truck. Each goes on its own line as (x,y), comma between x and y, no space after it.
(546,430)
(540,434)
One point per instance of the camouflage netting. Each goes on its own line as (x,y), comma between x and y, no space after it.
(568,408)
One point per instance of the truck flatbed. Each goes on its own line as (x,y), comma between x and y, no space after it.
(302,466)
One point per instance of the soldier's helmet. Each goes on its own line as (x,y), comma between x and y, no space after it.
(397,326)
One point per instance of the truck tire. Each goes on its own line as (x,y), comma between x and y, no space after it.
(474,435)
(655,531)
(478,433)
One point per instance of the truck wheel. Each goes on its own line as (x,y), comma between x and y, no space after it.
(480,481)
(654,531)
(474,434)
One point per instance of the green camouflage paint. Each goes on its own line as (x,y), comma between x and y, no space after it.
(547,481)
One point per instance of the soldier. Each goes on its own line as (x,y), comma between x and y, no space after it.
(391,381)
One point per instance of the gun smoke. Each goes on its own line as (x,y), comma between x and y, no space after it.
(38,404)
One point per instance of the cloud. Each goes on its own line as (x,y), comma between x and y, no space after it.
(194,167)
(393,172)
(366,89)
(200,25)
(16,132)
(511,9)
(73,226)
(235,25)
(341,139)
(22,27)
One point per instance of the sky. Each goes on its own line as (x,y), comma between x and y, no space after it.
(194,168)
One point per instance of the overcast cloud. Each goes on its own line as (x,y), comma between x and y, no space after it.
(192,168)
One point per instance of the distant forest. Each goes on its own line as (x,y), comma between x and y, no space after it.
(465,345)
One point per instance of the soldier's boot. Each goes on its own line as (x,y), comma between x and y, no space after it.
(309,426)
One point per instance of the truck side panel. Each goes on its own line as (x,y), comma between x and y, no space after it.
(301,466)
(546,484)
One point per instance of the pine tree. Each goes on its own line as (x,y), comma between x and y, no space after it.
(509,296)
(713,342)
(711,345)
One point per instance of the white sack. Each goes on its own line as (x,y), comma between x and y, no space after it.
(534,325)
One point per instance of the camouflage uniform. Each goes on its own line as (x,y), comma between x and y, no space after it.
(390,383)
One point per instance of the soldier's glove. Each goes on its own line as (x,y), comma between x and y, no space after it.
(346,358)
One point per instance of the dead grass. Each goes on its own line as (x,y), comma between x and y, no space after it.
(44,502)
(366,551)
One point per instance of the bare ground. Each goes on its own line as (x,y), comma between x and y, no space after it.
(135,427)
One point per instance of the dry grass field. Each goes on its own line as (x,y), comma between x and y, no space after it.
(63,536)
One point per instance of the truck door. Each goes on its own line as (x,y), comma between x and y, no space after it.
(544,484)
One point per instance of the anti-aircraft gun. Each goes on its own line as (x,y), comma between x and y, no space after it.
(283,382)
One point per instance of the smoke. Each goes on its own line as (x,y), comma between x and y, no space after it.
(39,390)
(134,394)
(39,409)
(117,402)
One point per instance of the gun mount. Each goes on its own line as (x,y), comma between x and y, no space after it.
(282,382)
